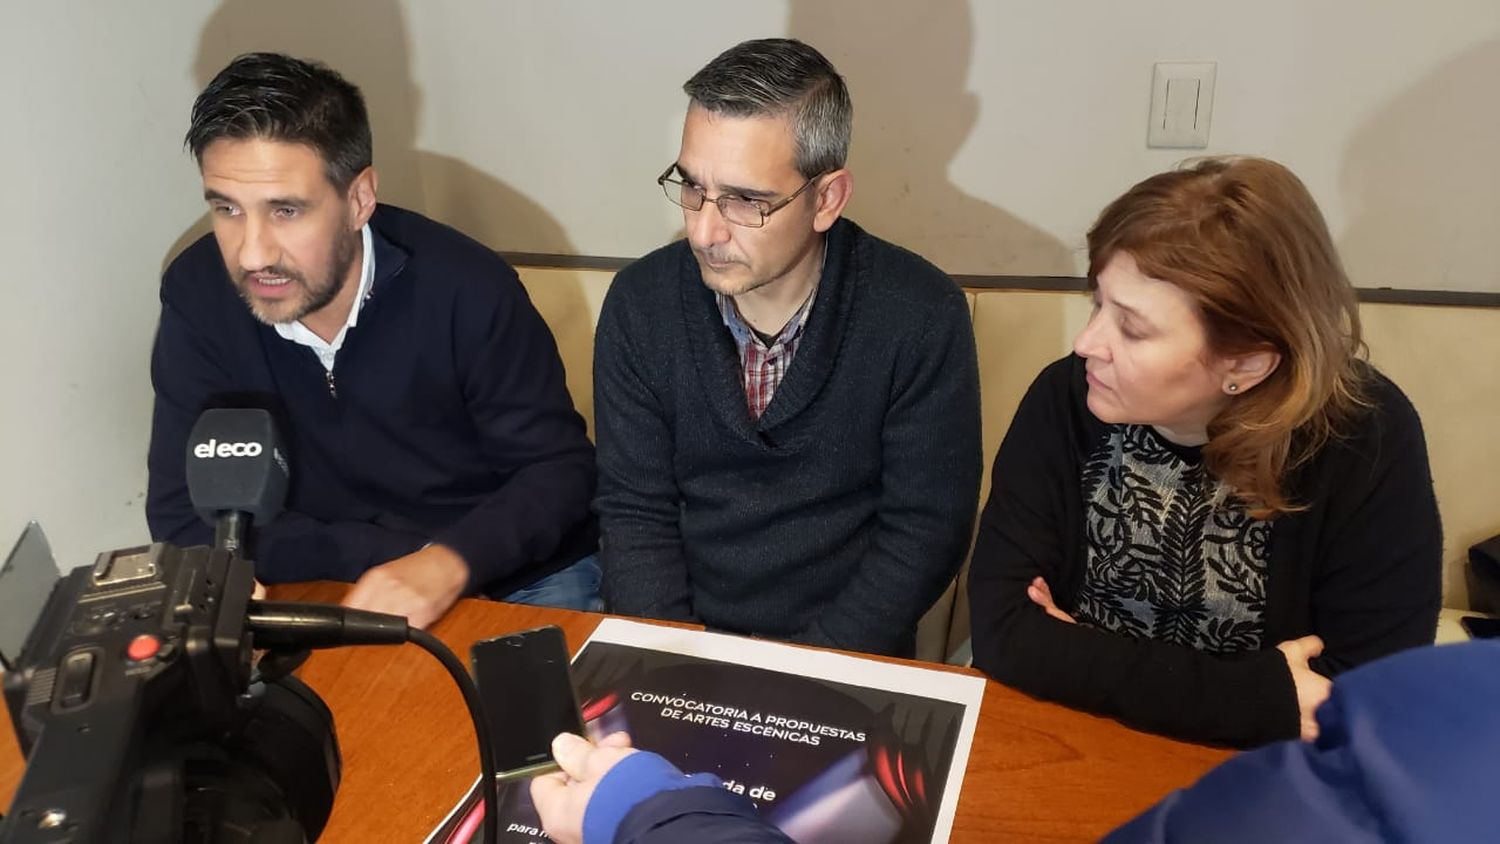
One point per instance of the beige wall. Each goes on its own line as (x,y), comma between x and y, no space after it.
(1445,358)
(95,192)
(987,135)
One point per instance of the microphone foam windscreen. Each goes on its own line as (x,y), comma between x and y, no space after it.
(235,461)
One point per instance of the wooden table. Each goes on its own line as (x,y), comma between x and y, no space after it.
(1038,772)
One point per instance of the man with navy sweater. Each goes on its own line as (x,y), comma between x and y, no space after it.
(434,448)
(787,407)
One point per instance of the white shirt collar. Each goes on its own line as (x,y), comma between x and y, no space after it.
(302,335)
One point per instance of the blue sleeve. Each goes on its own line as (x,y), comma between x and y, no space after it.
(1408,750)
(631,781)
(706,814)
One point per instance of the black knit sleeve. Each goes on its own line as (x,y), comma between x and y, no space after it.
(1379,549)
(645,568)
(931,462)
(1032,526)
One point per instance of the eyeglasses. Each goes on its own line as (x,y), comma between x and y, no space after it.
(739,210)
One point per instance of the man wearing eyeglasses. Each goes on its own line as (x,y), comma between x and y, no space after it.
(787,408)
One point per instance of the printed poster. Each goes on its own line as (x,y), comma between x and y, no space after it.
(830,748)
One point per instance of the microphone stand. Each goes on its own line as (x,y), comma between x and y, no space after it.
(229,531)
(274,662)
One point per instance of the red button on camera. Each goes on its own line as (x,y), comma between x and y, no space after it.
(143,647)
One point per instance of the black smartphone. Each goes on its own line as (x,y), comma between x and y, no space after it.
(1479,627)
(527,696)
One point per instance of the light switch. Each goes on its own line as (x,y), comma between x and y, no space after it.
(1182,102)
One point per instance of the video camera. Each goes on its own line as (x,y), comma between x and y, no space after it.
(134,696)
(134,703)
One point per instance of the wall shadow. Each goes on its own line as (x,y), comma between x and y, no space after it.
(907,70)
(368,42)
(1420,185)
(1421,191)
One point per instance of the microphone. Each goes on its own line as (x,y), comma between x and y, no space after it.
(236,472)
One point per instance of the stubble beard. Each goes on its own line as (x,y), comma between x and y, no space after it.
(737,285)
(315,296)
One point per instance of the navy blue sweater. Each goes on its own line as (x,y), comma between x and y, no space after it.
(839,515)
(450,421)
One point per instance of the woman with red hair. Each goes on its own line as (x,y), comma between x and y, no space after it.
(1214,504)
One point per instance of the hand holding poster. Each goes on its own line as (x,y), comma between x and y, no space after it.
(828,747)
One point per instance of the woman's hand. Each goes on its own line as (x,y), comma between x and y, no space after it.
(1312,687)
(1041,595)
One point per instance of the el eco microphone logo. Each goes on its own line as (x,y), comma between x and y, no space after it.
(214,448)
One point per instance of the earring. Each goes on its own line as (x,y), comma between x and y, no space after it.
(1232,387)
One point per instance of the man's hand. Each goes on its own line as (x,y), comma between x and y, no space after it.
(1041,595)
(1312,687)
(562,798)
(421,586)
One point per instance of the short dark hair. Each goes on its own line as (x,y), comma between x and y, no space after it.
(782,77)
(278,98)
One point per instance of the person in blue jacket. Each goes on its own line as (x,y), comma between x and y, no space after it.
(1408,749)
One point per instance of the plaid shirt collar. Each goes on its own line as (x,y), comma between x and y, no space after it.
(764,365)
(744,336)
(790,333)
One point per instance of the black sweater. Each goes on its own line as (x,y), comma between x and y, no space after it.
(1361,567)
(452,422)
(843,512)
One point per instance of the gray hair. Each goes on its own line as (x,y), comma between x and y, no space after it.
(782,77)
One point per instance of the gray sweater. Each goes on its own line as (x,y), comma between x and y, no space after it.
(840,515)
